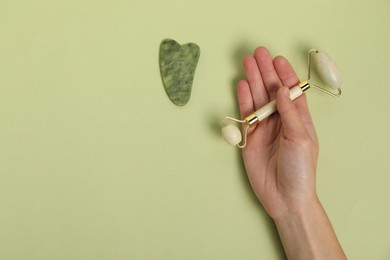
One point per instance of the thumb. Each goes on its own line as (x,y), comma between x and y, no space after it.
(289,115)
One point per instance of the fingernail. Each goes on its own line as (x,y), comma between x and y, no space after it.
(286,92)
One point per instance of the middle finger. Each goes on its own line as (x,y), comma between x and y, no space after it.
(268,73)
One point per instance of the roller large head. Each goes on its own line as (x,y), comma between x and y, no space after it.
(326,70)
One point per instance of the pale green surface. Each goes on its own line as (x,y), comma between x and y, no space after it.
(97,163)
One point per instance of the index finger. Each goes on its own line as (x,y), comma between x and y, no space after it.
(289,79)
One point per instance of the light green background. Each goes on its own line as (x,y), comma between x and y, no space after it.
(97,163)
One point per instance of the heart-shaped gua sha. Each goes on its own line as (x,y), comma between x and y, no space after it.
(177,66)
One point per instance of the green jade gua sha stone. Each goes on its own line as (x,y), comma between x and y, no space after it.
(177,66)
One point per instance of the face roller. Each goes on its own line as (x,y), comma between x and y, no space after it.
(327,71)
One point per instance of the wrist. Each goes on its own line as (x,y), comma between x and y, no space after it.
(300,211)
(307,233)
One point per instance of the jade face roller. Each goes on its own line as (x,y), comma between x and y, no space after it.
(327,71)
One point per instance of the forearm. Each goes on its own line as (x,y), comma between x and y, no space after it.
(308,234)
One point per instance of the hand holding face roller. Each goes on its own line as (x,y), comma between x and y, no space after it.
(327,71)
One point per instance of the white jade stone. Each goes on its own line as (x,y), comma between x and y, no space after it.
(231,134)
(327,69)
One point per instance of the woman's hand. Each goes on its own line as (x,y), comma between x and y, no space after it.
(281,152)
(281,159)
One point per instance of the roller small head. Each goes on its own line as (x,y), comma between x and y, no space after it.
(232,134)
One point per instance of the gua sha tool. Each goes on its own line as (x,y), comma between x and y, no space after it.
(326,70)
(177,66)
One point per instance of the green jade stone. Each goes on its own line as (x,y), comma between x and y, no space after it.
(178,65)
